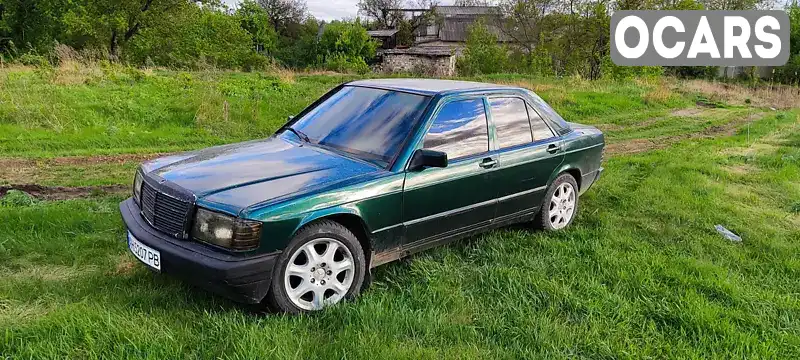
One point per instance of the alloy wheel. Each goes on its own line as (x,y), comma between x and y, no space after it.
(562,206)
(319,273)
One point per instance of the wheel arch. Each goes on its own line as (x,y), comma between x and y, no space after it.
(350,219)
(568,169)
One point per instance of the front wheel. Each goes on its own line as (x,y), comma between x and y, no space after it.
(323,264)
(560,204)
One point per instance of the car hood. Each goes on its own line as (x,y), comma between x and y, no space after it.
(232,177)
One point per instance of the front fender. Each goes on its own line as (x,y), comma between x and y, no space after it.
(350,210)
(377,204)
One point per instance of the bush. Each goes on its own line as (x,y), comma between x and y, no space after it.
(704,72)
(538,63)
(256,62)
(348,40)
(31,59)
(405,34)
(202,38)
(482,54)
(346,64)
(789,73)
(613,71)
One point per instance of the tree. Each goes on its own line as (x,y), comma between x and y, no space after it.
(116,22)
(384,12)
(482,54)
(31,24)
(348,38)
(790,73)
(255,20)
(192,38)
(346,46)
(405,33)
(283,14)
(387,14)
(302,50)
(523,20)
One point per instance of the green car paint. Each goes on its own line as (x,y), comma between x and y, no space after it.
(392,209)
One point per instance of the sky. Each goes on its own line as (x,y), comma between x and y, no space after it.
(324,9)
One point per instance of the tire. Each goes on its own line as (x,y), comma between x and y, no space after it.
(557,212)
(321,279)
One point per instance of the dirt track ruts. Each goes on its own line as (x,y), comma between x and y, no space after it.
(634,146)
(64,192)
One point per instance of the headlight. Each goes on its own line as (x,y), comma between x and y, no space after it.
(226,231)
(137,187)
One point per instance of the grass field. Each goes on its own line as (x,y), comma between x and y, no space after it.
(640,274)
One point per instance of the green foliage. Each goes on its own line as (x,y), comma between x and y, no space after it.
(32,59)
(114,23)
(790,73)
(482,54)
(255,20)
(540,38)
(686,5)
(33,25)
(405,35)
(347,38)
(613,71)
(346,64)
(194,38)
(795,207)
(16,198)
(346,46)
(300,51)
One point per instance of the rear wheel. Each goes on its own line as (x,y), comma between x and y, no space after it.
(560,204)
(322,265)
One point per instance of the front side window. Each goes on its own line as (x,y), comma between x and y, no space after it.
(459,129)
(540,130)
(511,121)
(371,124)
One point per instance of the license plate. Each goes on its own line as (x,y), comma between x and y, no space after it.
(146,254)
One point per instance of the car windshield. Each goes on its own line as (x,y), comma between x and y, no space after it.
(371,124)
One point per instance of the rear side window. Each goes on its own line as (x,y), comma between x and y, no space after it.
(459,129)
(549,114)
(511,121)
(540,129)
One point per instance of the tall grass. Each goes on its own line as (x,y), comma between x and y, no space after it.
(641,274)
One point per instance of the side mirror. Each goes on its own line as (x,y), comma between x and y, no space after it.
(289,118)
(423,158)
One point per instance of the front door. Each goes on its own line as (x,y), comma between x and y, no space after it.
(438,202)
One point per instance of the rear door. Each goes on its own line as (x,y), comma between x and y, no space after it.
(442,201)
(528,152)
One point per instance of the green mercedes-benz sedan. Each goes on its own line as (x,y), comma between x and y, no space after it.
(371,172)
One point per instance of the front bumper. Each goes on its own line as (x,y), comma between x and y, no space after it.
(239,278)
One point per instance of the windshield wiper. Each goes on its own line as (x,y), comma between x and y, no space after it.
(299,134)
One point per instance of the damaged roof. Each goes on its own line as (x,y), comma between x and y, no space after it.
(382,33)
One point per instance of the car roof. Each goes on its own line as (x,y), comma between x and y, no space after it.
(428,86)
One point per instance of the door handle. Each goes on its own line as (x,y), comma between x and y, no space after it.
(488,163)
(553,148)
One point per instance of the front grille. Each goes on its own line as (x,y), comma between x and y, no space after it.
(164,212)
